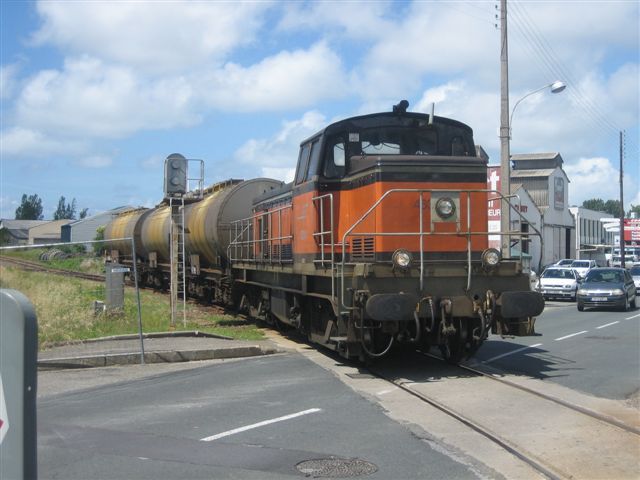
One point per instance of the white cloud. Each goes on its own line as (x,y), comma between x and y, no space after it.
(357,20)
(24,142)
(91,98)
(286,80)
(158,37)
(277,156)
(592,178)
(8,80)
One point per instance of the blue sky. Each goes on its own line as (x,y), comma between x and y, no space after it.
(94,95)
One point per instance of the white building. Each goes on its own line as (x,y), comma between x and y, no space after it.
(591,235)
(543,194)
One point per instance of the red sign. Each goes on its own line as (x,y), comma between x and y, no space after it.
(632,230)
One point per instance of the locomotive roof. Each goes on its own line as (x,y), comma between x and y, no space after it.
(386,119)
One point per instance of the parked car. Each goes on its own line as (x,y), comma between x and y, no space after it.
(634,271)
(583,266)
(565,262)
(629,260)
(607,287)
(558,282)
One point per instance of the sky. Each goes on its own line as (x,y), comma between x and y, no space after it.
(96,94)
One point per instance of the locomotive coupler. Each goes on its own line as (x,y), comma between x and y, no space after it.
(446,328)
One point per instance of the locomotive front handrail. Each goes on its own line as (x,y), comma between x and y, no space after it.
(421,233)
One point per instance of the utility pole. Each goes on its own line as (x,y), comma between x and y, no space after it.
(622,260)
(505,153)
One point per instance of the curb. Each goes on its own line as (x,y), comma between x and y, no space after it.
(166,356)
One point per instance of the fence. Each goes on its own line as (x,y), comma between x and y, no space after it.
(76,292)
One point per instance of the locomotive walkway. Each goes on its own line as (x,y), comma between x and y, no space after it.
(158,348)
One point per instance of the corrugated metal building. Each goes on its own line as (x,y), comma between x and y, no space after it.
(85,229)
(16,232)
(48,232)
(542,176)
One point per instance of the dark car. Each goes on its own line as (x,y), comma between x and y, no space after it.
(607,287)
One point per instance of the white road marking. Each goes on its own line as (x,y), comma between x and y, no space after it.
(635,316)
(259,424)
(607,325)
(572,335)
(384,392)
(511,353)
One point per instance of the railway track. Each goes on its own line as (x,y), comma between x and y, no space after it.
(539,429)
(38,267)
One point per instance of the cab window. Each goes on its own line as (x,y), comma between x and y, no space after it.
(303,162)
(335,158)
(314,161)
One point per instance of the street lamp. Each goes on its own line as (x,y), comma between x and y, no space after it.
(505,155)
(555,87)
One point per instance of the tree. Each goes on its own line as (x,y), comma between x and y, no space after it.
(83,213)
(30,208)
(634,209)
(596,204)
(610,206)
(613,207)
(64,210)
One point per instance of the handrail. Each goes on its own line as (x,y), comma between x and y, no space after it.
(422,233)
(246,226)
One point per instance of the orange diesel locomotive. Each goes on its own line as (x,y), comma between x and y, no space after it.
(380,241)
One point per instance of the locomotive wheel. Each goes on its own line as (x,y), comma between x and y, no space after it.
(454,348)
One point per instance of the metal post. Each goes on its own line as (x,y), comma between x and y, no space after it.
(505,154)
(135,282)
(622,259)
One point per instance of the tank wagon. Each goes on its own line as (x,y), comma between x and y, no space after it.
(380,241)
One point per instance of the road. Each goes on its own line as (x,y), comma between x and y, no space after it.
(253,418)
(596,351)
(261,418)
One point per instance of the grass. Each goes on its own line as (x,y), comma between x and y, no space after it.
(64,307)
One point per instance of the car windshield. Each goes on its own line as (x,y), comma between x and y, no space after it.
(580,265)
(606,276)
(558,273)
(635,271)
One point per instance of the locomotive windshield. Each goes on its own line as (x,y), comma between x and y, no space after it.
(398,141)
(413,140)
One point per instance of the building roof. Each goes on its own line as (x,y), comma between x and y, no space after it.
(543,172)
(536,161)
(535,156)
(20,224)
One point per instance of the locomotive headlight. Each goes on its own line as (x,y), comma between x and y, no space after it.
(445,207)
(490,257)
(401,259)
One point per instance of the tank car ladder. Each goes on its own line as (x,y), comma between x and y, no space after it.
(178,280)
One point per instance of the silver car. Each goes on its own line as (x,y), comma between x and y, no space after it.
(558,282)
(635,274)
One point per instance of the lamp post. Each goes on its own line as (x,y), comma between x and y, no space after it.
(505,160)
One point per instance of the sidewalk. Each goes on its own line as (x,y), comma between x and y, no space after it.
(158,348)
